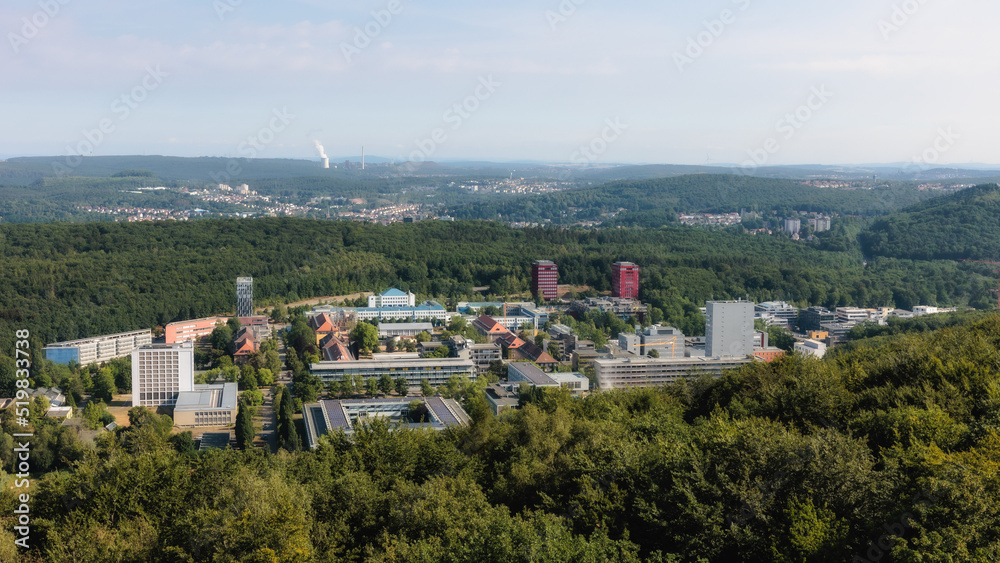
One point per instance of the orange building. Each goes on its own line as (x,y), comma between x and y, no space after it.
(185,331)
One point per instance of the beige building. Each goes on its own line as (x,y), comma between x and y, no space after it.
(98,349)
(207,405)
(160,372)
(650,372)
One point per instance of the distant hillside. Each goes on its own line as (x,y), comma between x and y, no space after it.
(653,202)
(961,226)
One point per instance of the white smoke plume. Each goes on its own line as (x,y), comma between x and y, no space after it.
(322,151)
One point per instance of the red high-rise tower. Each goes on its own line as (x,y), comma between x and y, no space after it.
(545,279)
(625,280)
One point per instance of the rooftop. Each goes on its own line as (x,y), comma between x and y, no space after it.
(215,396)
(393,293)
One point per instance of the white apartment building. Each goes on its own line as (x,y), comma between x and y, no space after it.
(160,372)
(811,347)
(97,349)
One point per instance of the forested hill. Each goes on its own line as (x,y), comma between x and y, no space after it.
(657,200)
(964,225)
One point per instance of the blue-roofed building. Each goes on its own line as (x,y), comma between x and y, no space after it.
(391,298)
(347,415)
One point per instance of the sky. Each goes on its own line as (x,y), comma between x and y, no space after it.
(584,81)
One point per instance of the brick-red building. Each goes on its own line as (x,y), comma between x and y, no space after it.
(625,280)
(545,279)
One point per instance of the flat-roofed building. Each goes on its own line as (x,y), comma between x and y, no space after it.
(501,398)
(621,373)
(851,315)
(436,370)
(545,279)
(194,329)
(482,355)
(207,405)
(160,372)
(98,349)
(625,280)
(622,308)
(518,372)
(348,415)
(780,311)
(244,297)
(729,329)
(811,348)
(403,330)
(812,318)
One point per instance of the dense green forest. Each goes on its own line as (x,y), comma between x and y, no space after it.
(955,227)
(651,202)
(889,451)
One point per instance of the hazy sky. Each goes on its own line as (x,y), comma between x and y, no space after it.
(717,81)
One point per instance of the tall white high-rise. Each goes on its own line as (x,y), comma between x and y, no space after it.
(244,297)
(729,329)
(160,372)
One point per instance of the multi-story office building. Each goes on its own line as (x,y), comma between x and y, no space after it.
(545,279)
(813,318)
(194,329)
(97,349)
(482,355)
(435,370)
(780,311)
(653,372)
(391,298)
(729,329)
(160,372)
(851,315)
(244,297)
(666,340)
(625,280)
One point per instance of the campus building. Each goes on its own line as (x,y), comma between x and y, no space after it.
(244,297)
(621,373)
(545,279)
(391,298)
(207,405)
(526,372)
(625,280)
(729,329)
(435,370)
(194,329)
(160,372)
(97,349)
(348,415)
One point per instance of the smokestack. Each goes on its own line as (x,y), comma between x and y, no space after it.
(322,154)
(362,157)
